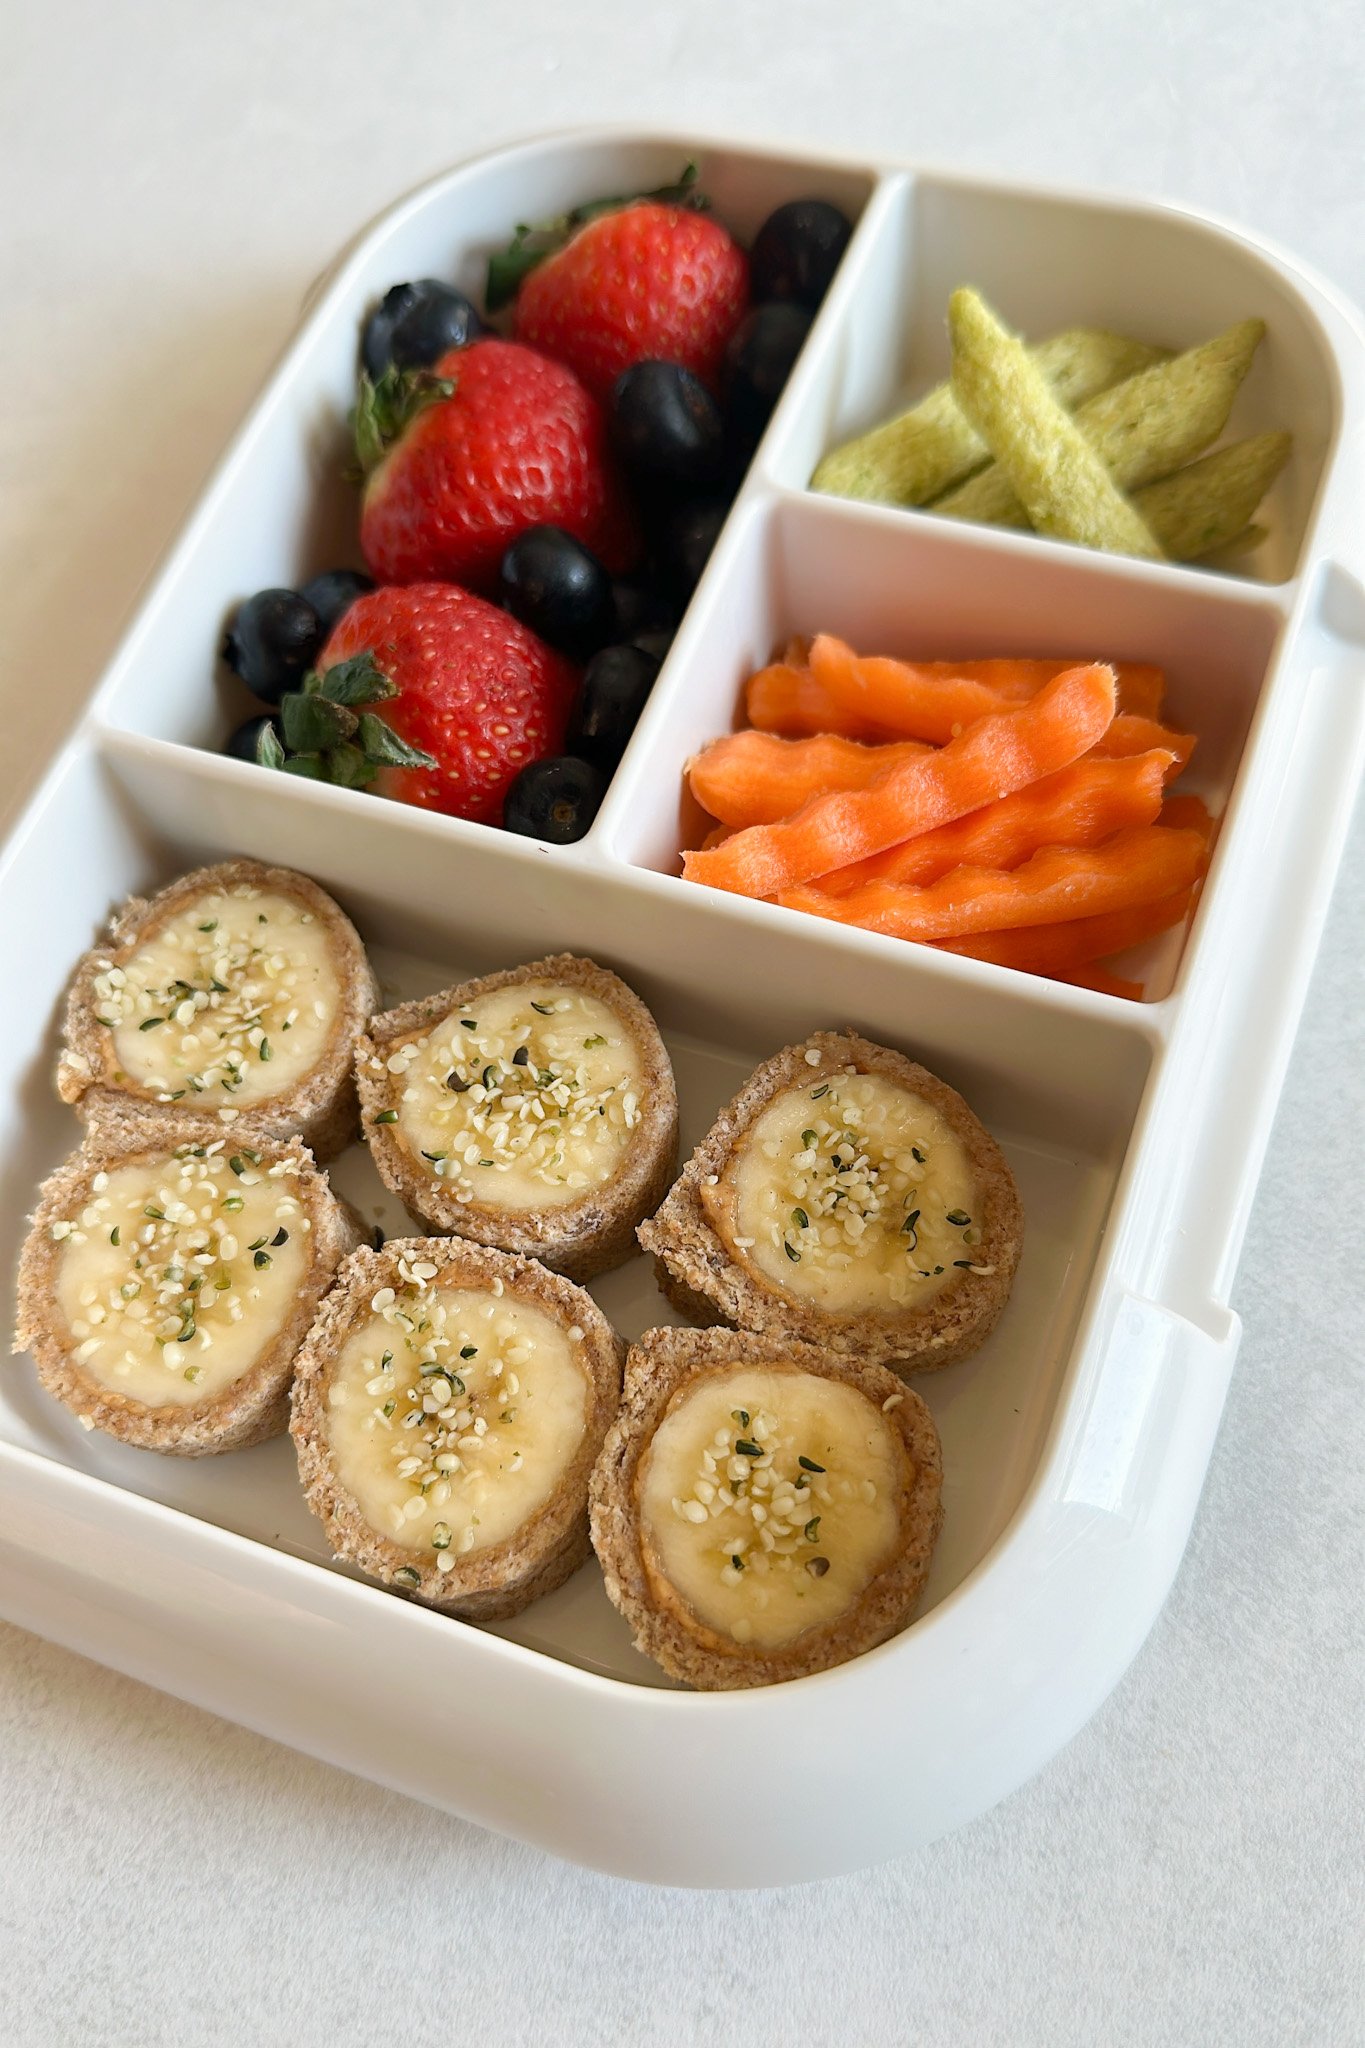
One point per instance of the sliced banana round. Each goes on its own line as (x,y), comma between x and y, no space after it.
(447,1409)
(533,1110)
(763,1509)
(240,991)
(849,1198)
(170,1276)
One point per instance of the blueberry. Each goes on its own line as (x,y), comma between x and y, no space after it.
(797,251)
(655,645)
(275,637)
(665,425)
(685,541)
(376,336)
(555,799)
(640,606)
(615,684)
(558,588)
(414,324)
(758,359)
(334,592)
(242,744)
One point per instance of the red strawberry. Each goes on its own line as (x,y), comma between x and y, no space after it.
(517,443)
(475,689)
(647,281)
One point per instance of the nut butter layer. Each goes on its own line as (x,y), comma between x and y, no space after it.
(847,1198)
(169,1277)
(763,1509)
(448,1407)
(238,990)
(533,1111)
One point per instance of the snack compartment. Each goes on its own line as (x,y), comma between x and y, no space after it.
(1049,262)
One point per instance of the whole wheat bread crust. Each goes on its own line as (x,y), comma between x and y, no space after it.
(321,1105)
(702,1279)
(500,1580)
(256,1405)
(658,1366)
(578,1239)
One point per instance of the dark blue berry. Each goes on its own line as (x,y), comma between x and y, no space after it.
(797,251)
(685,540)
(615,686)
(555,799)
(665,426)
(758,359)
(639,605)
(414,324)
(558,588)
(243,743)
(376,336)
(334,592)
(274,639)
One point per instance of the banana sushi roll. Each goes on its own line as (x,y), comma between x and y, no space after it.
(170,1275)
(533,1110)
(448,1407)
(763,1509)
(847,1198)
(238,990)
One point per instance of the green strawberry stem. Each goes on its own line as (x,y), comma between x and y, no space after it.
(382,411)
(534,241)
(324,740)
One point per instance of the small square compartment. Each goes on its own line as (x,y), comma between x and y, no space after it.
(803,564)
(1048,262)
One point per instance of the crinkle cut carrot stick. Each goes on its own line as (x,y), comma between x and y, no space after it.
(1188,811)
(785,699)
(993,757)
(753,778)
(1060,948)
(1082,805)
(1056,885)
(872,697)
(1133,733)
(877,693)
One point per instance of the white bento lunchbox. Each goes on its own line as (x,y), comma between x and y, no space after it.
(1075,1443)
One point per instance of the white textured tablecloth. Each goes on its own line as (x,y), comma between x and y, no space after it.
(1190,1871)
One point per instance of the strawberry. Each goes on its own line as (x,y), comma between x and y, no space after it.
(463,459)
(469,696)
(649,281)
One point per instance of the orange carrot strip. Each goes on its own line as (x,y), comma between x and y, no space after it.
(1082,805)
(1132,733)
(1142,688)
(784,699)
(901,696)
(1057,884)
(717,836)
(752,778)
(1057,948)
(872,698)
(993,757)
(1188,812)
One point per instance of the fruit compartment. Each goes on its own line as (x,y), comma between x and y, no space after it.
(800,564)
(1048,262)
(279,508)
(1063,1097)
